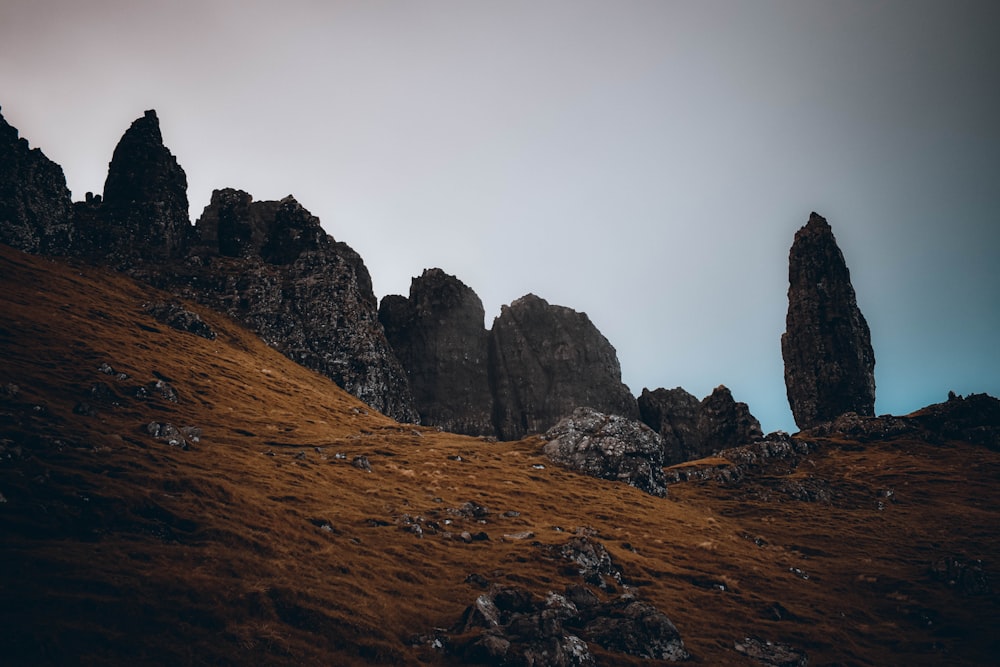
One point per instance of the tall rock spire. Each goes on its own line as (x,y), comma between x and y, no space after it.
(145,195)
(829,361)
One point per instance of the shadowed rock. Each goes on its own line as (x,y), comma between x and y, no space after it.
(271,266)
(35,206)
(609,447)
(145,207)
(548,360)
(827,350)
(439,338)
(693,429)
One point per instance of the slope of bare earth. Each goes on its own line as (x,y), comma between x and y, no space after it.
(261,543)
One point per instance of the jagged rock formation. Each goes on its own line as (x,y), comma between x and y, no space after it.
(537,364)
(145,208)
(271,266)
(439,338)
(35,205)
(973,418)
(692,429)
(548,360)
(609,447)
(829,361)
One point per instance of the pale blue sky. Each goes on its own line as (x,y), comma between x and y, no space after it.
(645,162)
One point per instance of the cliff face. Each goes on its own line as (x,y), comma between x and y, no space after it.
(693,429)
(145,211)
(35,205)
(438,336)
(827,350)
(271,266)
(547,361)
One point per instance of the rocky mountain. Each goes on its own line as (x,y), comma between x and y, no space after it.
(692,429)
(829,361)
(269,265)
(173,491)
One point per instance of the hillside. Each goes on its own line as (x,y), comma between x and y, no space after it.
(262,543)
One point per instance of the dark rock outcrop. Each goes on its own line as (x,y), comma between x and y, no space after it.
(35,205)
(692,429)
(609,447)
(826,347)
(271,266)
(439,338)
(547,361)
(510,626)
(145,207)
(974,418)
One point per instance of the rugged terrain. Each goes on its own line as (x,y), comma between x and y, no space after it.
(174,491)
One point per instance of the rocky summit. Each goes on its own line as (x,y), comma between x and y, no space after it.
(692,429)
(826,347)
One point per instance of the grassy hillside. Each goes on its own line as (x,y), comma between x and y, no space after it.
(261,543)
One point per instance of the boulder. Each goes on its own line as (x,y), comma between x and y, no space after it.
(439,338)
(826,347)
(35,206)
(547,360)
(609,447)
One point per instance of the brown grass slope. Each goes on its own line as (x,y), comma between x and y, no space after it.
(258,545)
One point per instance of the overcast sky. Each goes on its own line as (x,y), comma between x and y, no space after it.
(647,163)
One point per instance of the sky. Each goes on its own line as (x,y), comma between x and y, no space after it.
(645,162)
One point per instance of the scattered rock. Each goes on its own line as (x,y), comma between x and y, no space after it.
(362,463)
(511,626)
(771,653)
(175,437)
(593,561)
(176,316)
(609,447)
(826,347)
(968,577)
(636,628)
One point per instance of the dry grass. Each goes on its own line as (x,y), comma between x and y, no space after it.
(119,549)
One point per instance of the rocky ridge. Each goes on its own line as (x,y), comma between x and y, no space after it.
(269,265)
